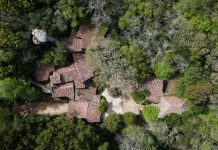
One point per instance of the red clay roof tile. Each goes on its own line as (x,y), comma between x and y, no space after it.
(64,90)
(171,104)
(92,114)
(43,72)
(85,94)
(155,86)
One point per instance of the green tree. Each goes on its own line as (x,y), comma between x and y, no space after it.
(199,93)
(164,67)
(11,89)
(65,134)
(166,135)
(58,56)
(137,59)
(111,68)
(6,56)
(140,96)
(150,113)
(6,71)
(103,105)
(113,123)
(104,13)
(129,119)
(198,132)
(9,39)
(21,133)
(5,115)
(163,70)
(135,137)
(69,10)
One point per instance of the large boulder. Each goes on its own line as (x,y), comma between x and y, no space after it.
(40,37)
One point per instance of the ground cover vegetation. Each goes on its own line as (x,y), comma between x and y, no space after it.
(169,39)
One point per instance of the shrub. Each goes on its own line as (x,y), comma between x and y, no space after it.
(129,118)
(113,123)
(102,31)
(150,113)
(173,119)
(140,96)
(104,146)
(103,105)
(115,92)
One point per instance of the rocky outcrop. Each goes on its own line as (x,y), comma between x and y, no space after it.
(40,37)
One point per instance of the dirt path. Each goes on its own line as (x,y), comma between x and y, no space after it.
(51,108)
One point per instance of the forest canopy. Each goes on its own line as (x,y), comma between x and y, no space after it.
(174,41)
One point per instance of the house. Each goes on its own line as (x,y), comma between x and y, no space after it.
(43,72)
(171,104)
(63,90)
(71,81)
(155,87)
(80,40)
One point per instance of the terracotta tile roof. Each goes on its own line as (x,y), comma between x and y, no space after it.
(78,72)
(64,90)
(77,109)
(155,86)
(55,79)
(171,104)
(171,87)
(85,33)
(85,94)
(80,40)
(84,109)
(85,71)
(74,43)
(79,83)
(92,114)
(67,74)
(43,72)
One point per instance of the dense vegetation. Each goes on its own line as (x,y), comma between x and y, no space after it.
(171,39)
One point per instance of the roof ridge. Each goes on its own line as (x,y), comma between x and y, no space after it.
(78,72)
